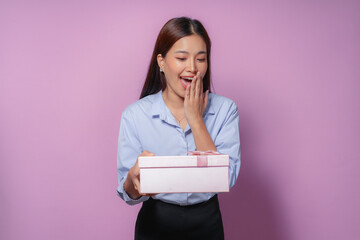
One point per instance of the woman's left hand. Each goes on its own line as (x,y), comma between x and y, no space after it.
(195,101)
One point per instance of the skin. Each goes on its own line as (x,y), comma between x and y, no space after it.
(187,57)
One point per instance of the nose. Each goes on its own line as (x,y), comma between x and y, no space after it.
(192,66)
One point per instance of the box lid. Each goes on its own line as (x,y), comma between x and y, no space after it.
(184,161)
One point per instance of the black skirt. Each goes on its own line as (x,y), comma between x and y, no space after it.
(159,220)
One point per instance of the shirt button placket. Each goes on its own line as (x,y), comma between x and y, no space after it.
(183,144)
(186,148)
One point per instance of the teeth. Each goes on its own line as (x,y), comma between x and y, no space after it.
(187,78)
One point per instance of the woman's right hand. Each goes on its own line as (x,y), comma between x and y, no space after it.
(132,182)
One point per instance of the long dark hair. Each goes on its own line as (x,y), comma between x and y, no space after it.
(172,31)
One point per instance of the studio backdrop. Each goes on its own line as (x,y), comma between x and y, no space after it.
(69,68)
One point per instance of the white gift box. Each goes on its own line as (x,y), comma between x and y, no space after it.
(203,172)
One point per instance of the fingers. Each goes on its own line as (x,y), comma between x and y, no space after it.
(150,194)
(199,85)
(147,153)
(187,92)
(196,87)
(193,88)
(136,173)
(136,170)
(136,183)
(194,99)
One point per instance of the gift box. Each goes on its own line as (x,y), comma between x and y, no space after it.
(197,172)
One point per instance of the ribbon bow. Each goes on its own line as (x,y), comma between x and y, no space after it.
(202,160)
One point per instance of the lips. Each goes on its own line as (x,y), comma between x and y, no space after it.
(186,81)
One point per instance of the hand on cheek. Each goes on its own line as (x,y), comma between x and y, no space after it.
(195,101)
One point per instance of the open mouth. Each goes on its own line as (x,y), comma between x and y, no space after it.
(186,81)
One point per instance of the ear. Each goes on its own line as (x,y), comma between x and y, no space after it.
(160,60)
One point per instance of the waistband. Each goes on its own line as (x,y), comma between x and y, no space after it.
(212,200)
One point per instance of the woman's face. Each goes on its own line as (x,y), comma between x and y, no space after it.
(184,59)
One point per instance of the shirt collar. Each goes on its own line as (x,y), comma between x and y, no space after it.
(159,106)
(210,107)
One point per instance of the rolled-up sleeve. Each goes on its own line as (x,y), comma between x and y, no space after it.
(129,148)
(228,142)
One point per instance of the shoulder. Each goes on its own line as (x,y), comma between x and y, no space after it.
(220,103)
(140,107)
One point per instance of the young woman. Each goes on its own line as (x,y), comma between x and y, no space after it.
(177,113)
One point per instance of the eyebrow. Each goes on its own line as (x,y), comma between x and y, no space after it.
(182,51)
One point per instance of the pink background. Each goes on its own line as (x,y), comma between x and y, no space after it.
(69,68)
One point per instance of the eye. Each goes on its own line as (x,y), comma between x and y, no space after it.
(201,59)
(181,59)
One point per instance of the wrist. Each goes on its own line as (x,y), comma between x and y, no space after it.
(202,137)
(196,123)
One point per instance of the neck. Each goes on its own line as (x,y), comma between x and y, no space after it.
(172,100)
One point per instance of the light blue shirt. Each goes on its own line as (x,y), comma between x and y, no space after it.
(149,125)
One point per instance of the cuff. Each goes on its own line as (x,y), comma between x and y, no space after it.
(122,193)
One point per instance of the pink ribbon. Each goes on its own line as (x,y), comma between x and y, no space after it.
(202,160)
(196,153)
